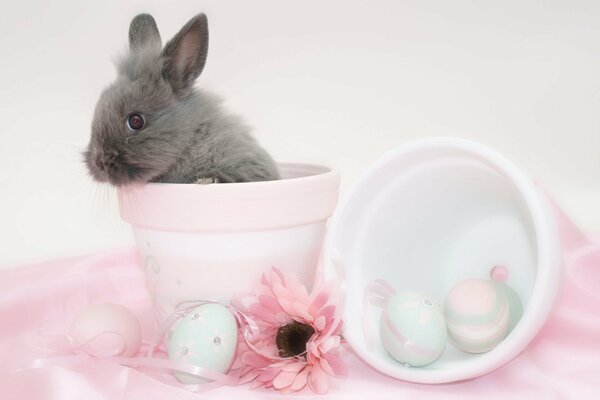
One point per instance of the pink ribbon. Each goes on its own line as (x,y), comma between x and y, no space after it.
(377,293)
(76,354)
(405,341)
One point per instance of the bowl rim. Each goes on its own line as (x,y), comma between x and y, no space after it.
(327,170)
(233,207)
(547,274)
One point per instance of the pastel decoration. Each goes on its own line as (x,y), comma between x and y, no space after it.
(499,274)
(206,337)
(413,329)
(477,315)
(514,304)
(105,330)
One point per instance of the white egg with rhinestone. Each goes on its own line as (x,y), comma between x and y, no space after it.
(413,329)
(206,337)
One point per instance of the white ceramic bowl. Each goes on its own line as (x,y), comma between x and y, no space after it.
(200,242)
(428,215)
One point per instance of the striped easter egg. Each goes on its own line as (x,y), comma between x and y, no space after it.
(413,330)
(499,274)
(477,315)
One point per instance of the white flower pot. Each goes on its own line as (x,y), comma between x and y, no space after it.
(200,242)
(429,215)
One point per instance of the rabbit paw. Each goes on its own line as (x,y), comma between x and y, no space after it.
(207,181)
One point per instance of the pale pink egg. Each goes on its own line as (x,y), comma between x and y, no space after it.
(477,315)
(106,329)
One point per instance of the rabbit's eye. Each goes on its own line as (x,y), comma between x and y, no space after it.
(135,122)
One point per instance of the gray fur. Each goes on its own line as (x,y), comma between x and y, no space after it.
(180,69)
(143,32)
(188,137)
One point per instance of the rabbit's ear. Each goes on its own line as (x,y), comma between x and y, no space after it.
(143,32)
(185,55)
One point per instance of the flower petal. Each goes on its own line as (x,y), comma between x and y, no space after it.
(260,289)
(274,277)
(284,379)
(337,364)
(320,297)
(328,312)
(294,367)
(301,379)
(318,381)
(259,312)
(254,360)
(283,293)
(269,302)
(329,343)
(320,323)
(288,307)
(282,363)
(256,384)
(243,301)
(313,356)
(298,289)
(339,324)
(268,374)
(249,376)
(283,318)
(302,311)
(326,367)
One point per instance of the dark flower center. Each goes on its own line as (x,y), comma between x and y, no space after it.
(291,339)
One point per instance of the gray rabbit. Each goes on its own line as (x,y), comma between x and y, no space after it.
(152,125)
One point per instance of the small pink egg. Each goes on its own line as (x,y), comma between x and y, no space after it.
(106,329)
(499,273)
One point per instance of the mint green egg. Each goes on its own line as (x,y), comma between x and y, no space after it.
(413,329)
(206,337)
(514,304)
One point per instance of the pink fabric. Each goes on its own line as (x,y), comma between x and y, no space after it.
(563,361)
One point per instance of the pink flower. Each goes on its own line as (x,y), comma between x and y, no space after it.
(299,335)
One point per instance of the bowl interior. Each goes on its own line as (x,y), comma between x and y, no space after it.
(424,221)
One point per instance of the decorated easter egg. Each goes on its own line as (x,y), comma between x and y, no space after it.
(206,337)
(514,305)
(106,329)
(413,330)
(477,314)
(499,274)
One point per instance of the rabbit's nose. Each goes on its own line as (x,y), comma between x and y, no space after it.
(110,159)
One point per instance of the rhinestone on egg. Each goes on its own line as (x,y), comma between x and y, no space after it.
(407,365)
(217,340)
(428,302)
(184,350)
(196,316)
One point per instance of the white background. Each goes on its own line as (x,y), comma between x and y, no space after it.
(339,82)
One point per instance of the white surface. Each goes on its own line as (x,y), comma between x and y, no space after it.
(429,215)
(340,82)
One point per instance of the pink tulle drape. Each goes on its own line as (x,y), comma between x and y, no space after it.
(41,300)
